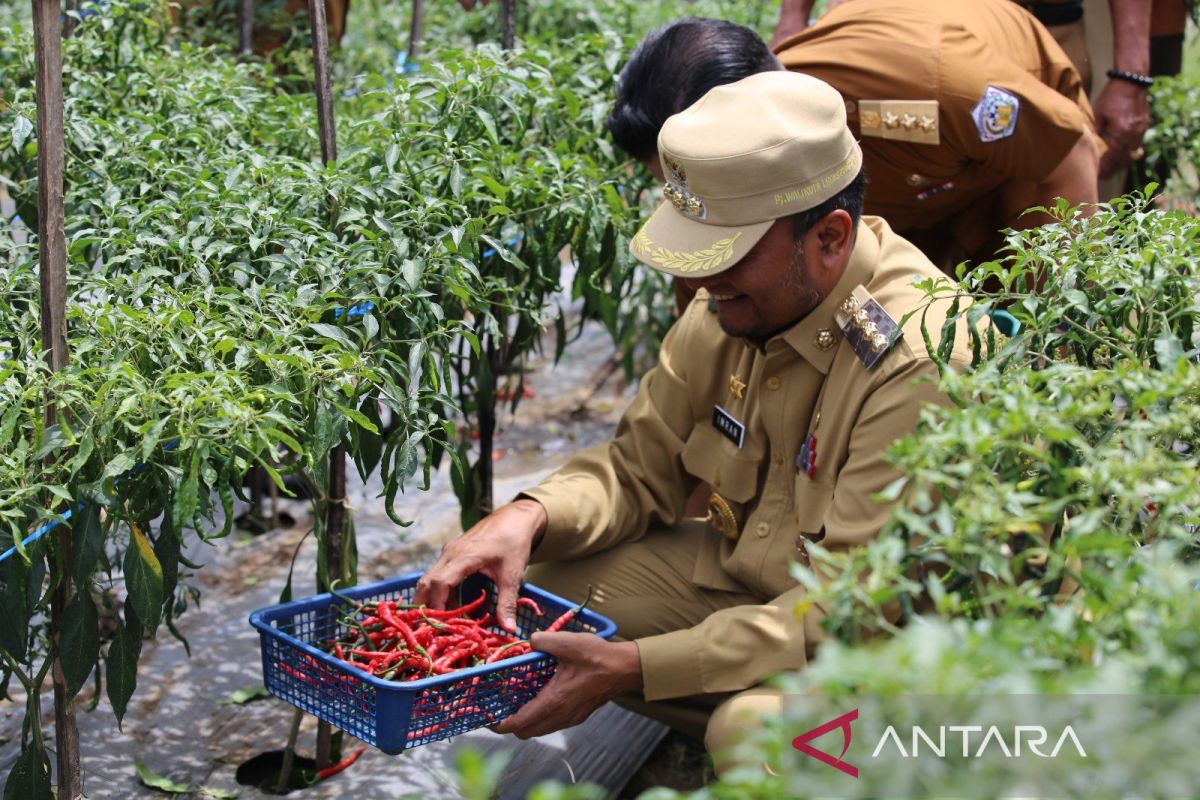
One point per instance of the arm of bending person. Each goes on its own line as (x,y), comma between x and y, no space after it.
(1122,107)
(1075,179)
(793,18)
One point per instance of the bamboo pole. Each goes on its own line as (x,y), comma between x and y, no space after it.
(335,497)
(508,23)
(246,27)
(68,20)
(414,34)
(52,264)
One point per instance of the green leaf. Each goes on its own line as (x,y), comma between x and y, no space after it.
(144,579)
(121,664)
(332,332)
(14,610)
(21,129)
(80,641)
(489,124)
(120,464)
(1167,350)
(152,779)
(247,695)
(87,540)
(29,778)
(167,551)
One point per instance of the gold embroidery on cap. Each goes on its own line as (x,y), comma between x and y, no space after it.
(641,243)
(697,260)
(849,166)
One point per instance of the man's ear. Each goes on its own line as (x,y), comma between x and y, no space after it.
(834,237)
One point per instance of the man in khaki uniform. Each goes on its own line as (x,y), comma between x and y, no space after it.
(1122,105)
(968,112)
(781,386)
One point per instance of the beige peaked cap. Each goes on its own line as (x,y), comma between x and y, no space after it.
(742,156)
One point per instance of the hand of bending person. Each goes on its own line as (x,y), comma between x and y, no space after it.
(591,671)
(498,546)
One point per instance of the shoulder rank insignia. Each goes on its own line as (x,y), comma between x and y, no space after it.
(995,114)
(900,120)
(868,328)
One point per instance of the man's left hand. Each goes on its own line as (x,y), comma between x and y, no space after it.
(1122,116)
(591,671)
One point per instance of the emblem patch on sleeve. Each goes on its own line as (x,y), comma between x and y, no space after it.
(995,114)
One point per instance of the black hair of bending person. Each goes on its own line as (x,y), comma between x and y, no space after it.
(673,67)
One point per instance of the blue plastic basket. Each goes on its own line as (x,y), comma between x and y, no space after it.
(393,715)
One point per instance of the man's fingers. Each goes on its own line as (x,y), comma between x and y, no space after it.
(506,604)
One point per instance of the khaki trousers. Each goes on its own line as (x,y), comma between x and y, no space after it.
(646,587)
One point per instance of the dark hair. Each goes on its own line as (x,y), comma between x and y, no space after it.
(674,67)
(849,200)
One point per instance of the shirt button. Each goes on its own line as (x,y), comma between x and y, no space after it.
(763,529)
(772,383)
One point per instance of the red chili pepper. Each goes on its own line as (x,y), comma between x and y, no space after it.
(334,769)
(531,604)
(558,624)
(461,611)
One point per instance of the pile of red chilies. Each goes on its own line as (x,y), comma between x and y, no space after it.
(406,642)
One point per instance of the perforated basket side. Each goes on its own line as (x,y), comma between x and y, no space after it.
(395,715)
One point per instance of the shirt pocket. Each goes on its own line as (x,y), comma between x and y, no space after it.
(731,472)
(812,502)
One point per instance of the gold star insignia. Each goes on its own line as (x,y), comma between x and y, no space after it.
(736,387)
(891,120)
(908,121)
(928,124)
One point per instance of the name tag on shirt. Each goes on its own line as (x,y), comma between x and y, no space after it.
(729,427)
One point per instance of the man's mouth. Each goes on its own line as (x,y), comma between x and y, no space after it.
(721,298)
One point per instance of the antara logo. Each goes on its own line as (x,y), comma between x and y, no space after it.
(1033,737)
(801,742)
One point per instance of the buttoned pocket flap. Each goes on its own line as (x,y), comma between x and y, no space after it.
(731,471)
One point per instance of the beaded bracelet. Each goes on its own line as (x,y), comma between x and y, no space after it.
(1145,81)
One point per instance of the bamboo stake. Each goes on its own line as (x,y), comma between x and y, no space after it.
(508,23)
(52,262)
(246,27)
(68,20)
(335,498)
(414,34)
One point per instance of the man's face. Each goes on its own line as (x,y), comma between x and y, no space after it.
(766,292)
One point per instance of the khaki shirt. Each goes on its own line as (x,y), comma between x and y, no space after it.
(666,444)
(945,54)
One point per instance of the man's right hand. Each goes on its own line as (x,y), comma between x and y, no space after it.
(499,547)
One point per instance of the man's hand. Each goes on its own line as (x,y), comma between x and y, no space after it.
(1122,116)
(499,547)
(591,671)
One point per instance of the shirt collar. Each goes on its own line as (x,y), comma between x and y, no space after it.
(819,324)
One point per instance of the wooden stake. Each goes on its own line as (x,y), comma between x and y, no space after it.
(320,45)
(335,498)
(246,27)
(508,23)
(52,264)
(414,34)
